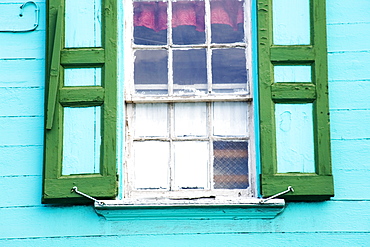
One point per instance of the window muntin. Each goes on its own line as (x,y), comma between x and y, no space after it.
(189,110)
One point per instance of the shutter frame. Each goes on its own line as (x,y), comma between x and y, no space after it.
(57,188)
(307,186)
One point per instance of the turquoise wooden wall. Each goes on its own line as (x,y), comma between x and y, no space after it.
(342,221)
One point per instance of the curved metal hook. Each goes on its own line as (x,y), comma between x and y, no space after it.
(37,11)
(35,25)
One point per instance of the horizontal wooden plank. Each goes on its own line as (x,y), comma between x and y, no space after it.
(20,190)
(21,130)
(21,160)
(339,11)
(59,222)
(346,37)
(341,69)
(10,18)
(293,92)
(21,101)
(351,154)
(356,98)
(321,187)
(81,96)
(352,183)
(353,124)
(83,57)
(16,47)
(292,54)
(33,76)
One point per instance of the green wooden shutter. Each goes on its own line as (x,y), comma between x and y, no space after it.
(57,187)
(307,186)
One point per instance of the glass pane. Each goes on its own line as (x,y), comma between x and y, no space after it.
(291,22)
(150,23)
(229,73)
(230,167)
(83,23)
(191,165)
(150,120)
(227,21)
(82,77)
(294,138)
(190,119)
(81,140)
(151,161)
(188,22)
(150,72)
(292,73)
(230,118)
(189,71)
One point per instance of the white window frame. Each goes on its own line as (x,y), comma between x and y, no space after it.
(130,98)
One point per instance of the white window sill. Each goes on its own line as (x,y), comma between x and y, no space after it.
(193,209)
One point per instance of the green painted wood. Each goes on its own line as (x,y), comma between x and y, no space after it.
(277,182)
(293,92)
(54,70)
(294,54)
(316,186)
(83,57)
(59,190)
(56,188)
(81,96)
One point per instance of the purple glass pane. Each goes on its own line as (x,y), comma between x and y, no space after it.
(188,22)
(227,21)
(230,166)
(150,71)
(189,71)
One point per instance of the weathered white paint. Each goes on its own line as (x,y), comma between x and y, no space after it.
(299,73)
(191,165)
(190,119)
(294,138)
(81,140)
(238,208)
(151,159)
(230,118)
(151,120)
(286,15)
(82,77)
(82,23)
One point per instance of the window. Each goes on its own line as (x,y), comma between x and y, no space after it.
(189,108)
(189,101)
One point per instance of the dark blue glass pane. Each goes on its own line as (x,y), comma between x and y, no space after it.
(150,71)
(187,35)
(229,69)
(189,70)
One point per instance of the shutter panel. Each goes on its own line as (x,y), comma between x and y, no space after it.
(317,185)
(101,183)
